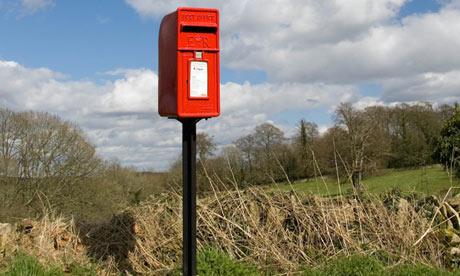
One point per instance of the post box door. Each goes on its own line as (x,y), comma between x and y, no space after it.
(199,84)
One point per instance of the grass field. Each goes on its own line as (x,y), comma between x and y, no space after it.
(213,262)
(427,180)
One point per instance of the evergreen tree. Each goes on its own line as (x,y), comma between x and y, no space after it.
(448,144)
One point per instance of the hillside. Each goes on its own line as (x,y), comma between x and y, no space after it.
(426,180)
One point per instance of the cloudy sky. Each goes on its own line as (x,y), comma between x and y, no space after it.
(95,63)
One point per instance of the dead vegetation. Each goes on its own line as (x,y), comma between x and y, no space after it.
(275,230)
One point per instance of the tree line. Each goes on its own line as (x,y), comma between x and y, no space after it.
(361,142)
(48,163)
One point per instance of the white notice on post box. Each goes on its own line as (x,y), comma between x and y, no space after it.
(198,79)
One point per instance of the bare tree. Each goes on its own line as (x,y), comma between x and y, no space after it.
(267,136)
(9,138)
(270,152)
(359,128)
(205,146)
(235,162)
(258,149)
(247,146)
(42,154)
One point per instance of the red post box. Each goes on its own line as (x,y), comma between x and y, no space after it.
(188,64)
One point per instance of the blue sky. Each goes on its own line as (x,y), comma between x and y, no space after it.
(80,38)
(419,7)
(83,39)
(95,63)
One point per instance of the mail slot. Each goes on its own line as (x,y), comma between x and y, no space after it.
(188,64)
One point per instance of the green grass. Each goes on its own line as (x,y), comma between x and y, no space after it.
(370,266)
(26,265)
(428,180)
(212,261)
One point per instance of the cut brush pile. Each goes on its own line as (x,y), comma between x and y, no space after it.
(276,231)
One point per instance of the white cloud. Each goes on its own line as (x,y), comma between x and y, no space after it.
(334,41)
(256,14)
(120,117)
(21,8)
(419,44)
(453,4)
(368,101)
(133,93)
(33,6)
(431,86)
(291,40)
(153,8)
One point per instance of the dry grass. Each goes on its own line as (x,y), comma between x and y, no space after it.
(51,239)
(284,231)
(274,230)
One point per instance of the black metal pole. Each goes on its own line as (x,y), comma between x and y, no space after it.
(189,196)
